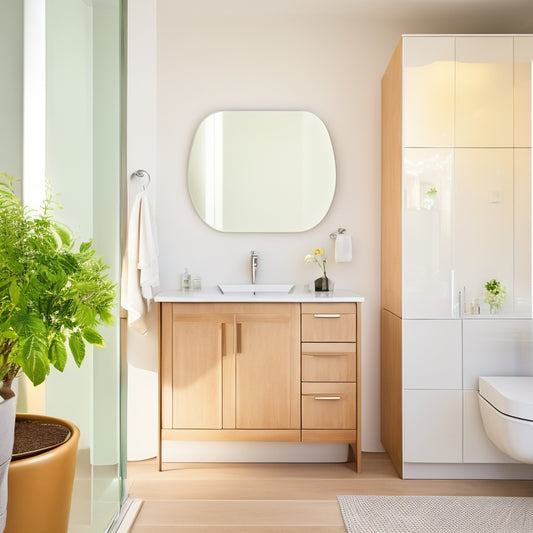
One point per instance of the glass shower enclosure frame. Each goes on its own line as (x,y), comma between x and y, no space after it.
(72,140)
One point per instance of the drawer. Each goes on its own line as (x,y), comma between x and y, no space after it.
(328,322)
(328,361)
(328,406)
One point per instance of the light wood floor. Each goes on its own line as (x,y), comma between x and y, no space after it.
(267,498)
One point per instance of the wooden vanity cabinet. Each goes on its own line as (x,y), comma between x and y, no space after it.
(230,371)
(331,407)
(284,372)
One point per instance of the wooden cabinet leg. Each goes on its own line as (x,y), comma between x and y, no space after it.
(354,457)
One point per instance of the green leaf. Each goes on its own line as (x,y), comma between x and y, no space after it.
(85,315)
(93,337)
(107,317)
(85,246)
(63,233)
(68,262)
(57,354)
(77,347)
(14,293)
(34,360)
(27,325)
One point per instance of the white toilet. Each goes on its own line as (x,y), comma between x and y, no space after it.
(506,404)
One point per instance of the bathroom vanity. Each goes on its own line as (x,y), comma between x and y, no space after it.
(265,367)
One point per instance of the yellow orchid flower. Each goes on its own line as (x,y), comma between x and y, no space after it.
(317,257)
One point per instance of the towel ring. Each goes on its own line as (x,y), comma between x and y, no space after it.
(139,174)
(333,235)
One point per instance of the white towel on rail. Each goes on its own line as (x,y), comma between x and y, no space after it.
(140,266)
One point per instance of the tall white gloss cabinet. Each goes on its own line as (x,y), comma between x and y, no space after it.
(456,213)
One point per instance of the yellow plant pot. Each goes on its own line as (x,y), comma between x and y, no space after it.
(40,487)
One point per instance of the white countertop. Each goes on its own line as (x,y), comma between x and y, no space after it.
(298,294)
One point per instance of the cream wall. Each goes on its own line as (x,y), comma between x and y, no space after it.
(330,65)
(207,64)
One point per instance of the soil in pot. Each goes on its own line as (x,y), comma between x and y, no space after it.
(35,436)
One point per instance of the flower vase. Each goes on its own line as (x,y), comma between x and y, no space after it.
(323,284)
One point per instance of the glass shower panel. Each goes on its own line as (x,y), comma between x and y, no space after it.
(429,89)
(484,223)
(523,56)
(428,232)
(484,91)
(83,154)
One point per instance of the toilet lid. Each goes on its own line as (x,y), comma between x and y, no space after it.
(512,395)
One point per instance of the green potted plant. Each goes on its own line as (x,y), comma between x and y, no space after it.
(52,295)
(495,294)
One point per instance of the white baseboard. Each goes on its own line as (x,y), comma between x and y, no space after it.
(467,471)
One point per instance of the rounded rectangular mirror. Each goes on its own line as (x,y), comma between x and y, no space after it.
(262,171)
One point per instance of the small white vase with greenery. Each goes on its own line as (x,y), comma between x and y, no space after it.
(495,295)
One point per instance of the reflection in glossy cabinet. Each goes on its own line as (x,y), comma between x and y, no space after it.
(429,89)
(523,57)
(484,91)
(428,232)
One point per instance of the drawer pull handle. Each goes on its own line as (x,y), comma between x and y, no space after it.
(327,397)
(327,354)
(326,316)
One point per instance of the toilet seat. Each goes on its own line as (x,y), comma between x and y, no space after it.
(511,395)
(506,406)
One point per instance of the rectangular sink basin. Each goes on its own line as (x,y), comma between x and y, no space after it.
(284,288)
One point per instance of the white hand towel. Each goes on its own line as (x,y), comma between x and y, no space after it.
(140,266)
(148,263)
(343,248)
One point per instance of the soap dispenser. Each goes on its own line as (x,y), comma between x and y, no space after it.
(186,280)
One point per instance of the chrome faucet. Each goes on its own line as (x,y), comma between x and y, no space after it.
(255,259)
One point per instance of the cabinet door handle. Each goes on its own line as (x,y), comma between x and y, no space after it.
(223,339)
(238,338)
(327,316)
(327,397)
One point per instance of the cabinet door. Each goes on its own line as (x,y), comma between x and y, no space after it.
(200,342)
(485,221)
(484,91)
(429,89)
(267,375)
(433,426)
(523,56)
(427,235)
(433,354)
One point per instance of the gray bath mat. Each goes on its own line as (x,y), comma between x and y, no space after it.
(436,514)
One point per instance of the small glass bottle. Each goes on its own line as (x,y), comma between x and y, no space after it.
(186,280)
